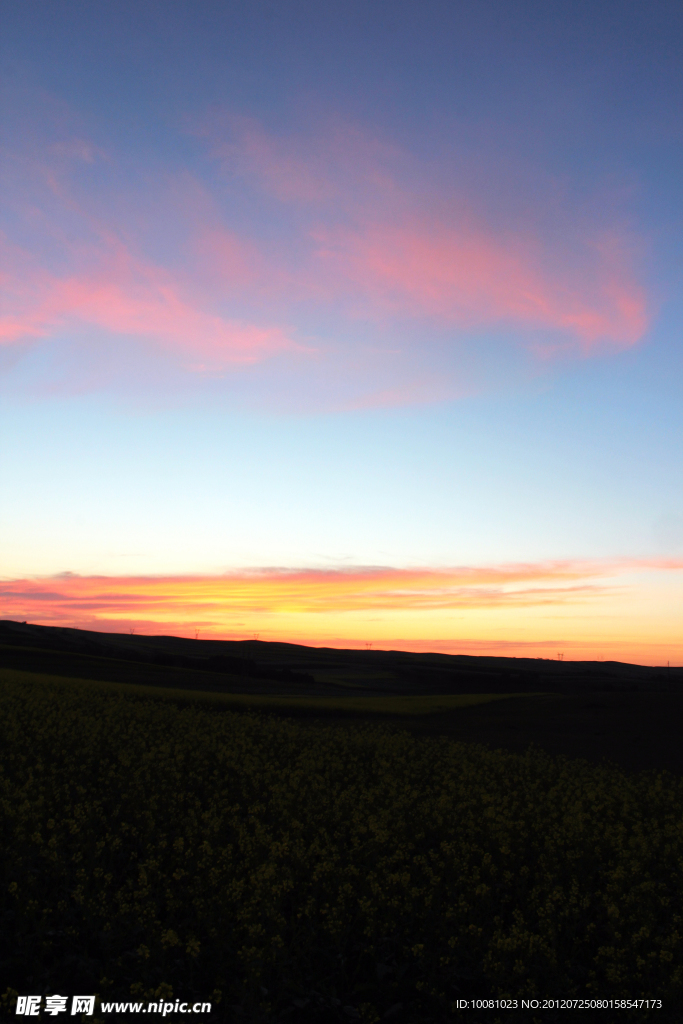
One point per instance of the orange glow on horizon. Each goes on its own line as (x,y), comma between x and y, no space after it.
(586,609)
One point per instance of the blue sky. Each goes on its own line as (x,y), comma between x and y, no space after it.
(361,288)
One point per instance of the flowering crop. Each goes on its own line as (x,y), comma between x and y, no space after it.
(322,872)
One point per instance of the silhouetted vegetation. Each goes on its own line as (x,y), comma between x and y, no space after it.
(309,866)
(629,714)
(293,871)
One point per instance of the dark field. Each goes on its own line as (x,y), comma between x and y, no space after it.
(330,853)
(629,714)
(637,731)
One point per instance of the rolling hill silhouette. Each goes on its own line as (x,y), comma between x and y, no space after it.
(631,714)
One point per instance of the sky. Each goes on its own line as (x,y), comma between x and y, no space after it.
(345,324)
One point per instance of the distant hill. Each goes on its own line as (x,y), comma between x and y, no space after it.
(261,666)
(629,714)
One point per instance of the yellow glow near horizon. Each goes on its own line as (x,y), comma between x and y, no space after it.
(626,611)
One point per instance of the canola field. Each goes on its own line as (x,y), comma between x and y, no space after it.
(303,872)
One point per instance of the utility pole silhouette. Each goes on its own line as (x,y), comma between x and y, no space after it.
(560,655)
(368,644)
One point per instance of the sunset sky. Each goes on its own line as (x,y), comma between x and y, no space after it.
(345,323)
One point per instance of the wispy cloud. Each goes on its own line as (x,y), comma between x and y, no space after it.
(468,278)
(393,241)
(340,166)
(583,608)
(341,241)
(306,591)
(124,294)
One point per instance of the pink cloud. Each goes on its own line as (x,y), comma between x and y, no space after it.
(392,242)
(309,591)
(125,294)
(469,278)
(341,165)
(280,170)
(302,605)
(366,232)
